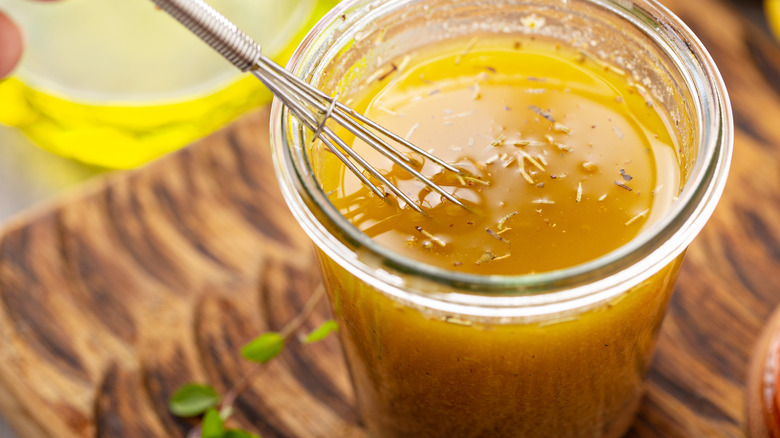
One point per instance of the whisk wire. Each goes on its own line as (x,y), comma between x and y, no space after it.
(351,120)
(291,100)
(309,121)
(306,102)
(326,116)
(311,90)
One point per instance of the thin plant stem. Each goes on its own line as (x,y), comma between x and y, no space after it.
(292,327)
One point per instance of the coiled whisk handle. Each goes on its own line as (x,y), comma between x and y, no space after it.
(214,29)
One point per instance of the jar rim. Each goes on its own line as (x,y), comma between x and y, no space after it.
(585,283)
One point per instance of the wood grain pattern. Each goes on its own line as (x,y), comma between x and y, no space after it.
(116,295)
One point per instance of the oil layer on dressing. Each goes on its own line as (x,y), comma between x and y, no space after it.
(567,160)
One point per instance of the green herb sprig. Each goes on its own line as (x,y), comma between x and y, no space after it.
(201,400)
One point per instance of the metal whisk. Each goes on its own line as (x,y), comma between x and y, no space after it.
(310,105)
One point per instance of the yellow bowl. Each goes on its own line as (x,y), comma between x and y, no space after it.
(772,8)
(117,84)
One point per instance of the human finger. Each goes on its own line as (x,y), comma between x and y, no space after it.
(11,44)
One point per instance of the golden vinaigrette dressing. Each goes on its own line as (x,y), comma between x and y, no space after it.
(565,159)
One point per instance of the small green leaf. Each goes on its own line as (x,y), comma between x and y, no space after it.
(264,347)
(213,426)
(239,433)
(321,332)
(192,399)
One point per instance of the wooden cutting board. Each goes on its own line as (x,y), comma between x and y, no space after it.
(114,296)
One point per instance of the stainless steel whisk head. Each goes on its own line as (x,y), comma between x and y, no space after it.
(310,105)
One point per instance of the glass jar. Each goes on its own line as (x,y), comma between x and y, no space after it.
(434,352)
